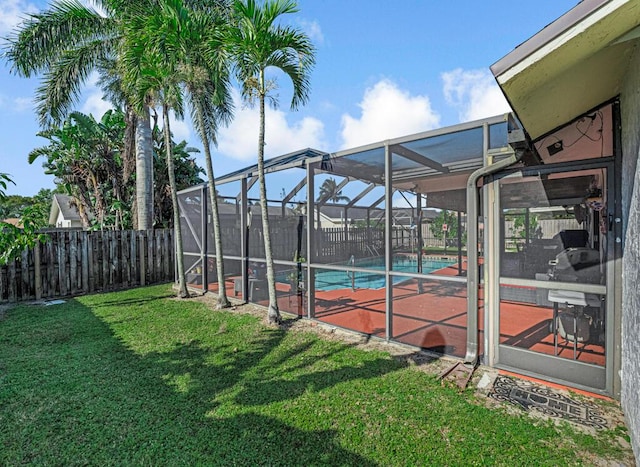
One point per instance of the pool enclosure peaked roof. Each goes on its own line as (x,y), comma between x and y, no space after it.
(444,156)
(293,159)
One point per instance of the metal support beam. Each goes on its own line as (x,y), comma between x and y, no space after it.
(252,181)
(311,231)
(203,248)
(460,243)
(379,200)
(295,191)
(244,245)
(473,272)
(388,250)
(361,195)
(419,213)
(418,158)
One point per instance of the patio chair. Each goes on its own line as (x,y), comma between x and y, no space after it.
(572,323)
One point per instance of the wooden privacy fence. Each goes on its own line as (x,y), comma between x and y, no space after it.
(77,262)
(338,244)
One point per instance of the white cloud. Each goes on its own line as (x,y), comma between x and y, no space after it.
(240,139)
(180,129)
(23,103)
(95,105)
(313,30)
(387,112)
(16,104)
(13,12)
(474,93)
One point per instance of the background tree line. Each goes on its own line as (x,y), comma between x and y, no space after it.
(169,55)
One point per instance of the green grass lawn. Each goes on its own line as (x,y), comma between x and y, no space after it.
(138,377)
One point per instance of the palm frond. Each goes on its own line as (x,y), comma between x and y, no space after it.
(43,38)
(60,88)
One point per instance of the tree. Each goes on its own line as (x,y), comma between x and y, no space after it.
(13,239)
(187,174)
(13,205)
(258,43)
(450,219)
(85,157)
(155,45)
(206,75)
(5,179)
(65,43)
(520,221)
(329,192)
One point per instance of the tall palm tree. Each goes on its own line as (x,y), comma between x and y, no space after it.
(66,43)
(157,61)
(257,43)
(329,192)
(206,76)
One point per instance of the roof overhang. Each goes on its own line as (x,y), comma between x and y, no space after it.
(571,66)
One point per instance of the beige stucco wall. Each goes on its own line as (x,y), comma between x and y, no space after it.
(630,109)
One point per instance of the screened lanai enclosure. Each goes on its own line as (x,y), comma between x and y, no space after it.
(468,241)
(372,239)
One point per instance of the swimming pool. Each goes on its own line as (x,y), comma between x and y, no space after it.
(332,280)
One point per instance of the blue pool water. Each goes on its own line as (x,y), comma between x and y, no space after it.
(332,280)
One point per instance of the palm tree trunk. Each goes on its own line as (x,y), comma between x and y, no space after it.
(182,285)
(81,206)
(144,172)
(223,301)
(273,314)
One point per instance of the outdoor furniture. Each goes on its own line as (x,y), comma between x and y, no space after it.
(537,255)
(579,324)
(257,288)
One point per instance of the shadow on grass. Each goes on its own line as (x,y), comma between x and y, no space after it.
(92,399)
(132,301)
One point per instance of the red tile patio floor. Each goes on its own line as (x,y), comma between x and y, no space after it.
(434,319)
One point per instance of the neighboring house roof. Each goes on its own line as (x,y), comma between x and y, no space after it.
(232,210)
(573,65)
(273,211)
(15,221)
(63,204)
(358,213)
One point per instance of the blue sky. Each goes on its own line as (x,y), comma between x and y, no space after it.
(384,69)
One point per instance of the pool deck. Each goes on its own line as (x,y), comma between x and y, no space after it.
(429,314)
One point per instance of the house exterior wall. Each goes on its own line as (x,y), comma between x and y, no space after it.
(61,221)
(630,110)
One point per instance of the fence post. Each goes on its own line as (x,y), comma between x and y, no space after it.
(143,266)
(62,260)
(36,270)
(12,281)
(133,257)
(84,261)
(24,274)
(73,262)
